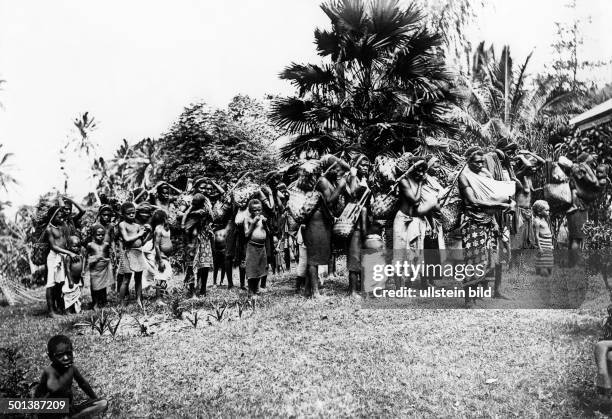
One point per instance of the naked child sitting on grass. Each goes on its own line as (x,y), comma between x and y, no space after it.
(603,359)
(56,380)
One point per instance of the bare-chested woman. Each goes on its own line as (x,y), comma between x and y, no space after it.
(409,225)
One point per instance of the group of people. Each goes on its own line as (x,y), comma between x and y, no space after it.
(260,227)
(136,241)
(487,208)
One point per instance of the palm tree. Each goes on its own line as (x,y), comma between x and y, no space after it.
(83,143)
(497,102)
(383,86)
(6,179)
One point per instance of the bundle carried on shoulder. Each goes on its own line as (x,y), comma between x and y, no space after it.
(40,221)
(301,204)
(498,191)
(344,226)
(244,192)
(557,191)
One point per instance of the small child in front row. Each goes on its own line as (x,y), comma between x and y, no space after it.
(545,260)
(256,261)
(56,379)
(99,265)
(163,249)
(133,236)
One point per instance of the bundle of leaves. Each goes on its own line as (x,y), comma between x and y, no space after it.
(244,193)
(41,216)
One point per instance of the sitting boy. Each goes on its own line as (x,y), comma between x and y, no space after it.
(603,359)
(56,379)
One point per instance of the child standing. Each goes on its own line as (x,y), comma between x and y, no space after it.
(163,249)
(196,225)
(133,235)
(219,253)
(99,266)
(56,379)
(543,236)
(256,262)
(58,259)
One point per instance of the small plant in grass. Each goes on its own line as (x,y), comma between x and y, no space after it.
(98,321)
(240,305)
(193,316)
(13,374)
(113,328)
(219,311)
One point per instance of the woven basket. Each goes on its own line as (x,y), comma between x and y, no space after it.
(558,195)
(342,229)
(244,193)
(384,206)
(450,215)
(301,205)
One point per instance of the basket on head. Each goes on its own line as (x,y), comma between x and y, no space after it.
(123,195)
(244,193)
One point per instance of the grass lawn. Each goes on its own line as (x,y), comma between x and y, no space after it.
(331,357)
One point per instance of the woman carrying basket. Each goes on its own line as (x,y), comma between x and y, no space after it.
(357,186)
(410,225)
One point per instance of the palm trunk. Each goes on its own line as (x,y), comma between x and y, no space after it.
(506,91)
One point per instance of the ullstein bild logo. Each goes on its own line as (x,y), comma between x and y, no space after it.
(431,292)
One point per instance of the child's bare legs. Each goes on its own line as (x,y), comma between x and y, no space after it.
(242,273)
(603,381)
(353,277)
(222,269)
(89,408)
(49,296)
(228,265)
(138,287)
(202,279)
(124,280)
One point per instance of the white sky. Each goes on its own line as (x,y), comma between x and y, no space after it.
(135,64)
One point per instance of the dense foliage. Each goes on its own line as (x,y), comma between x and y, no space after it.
(383,86)
(218,143)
